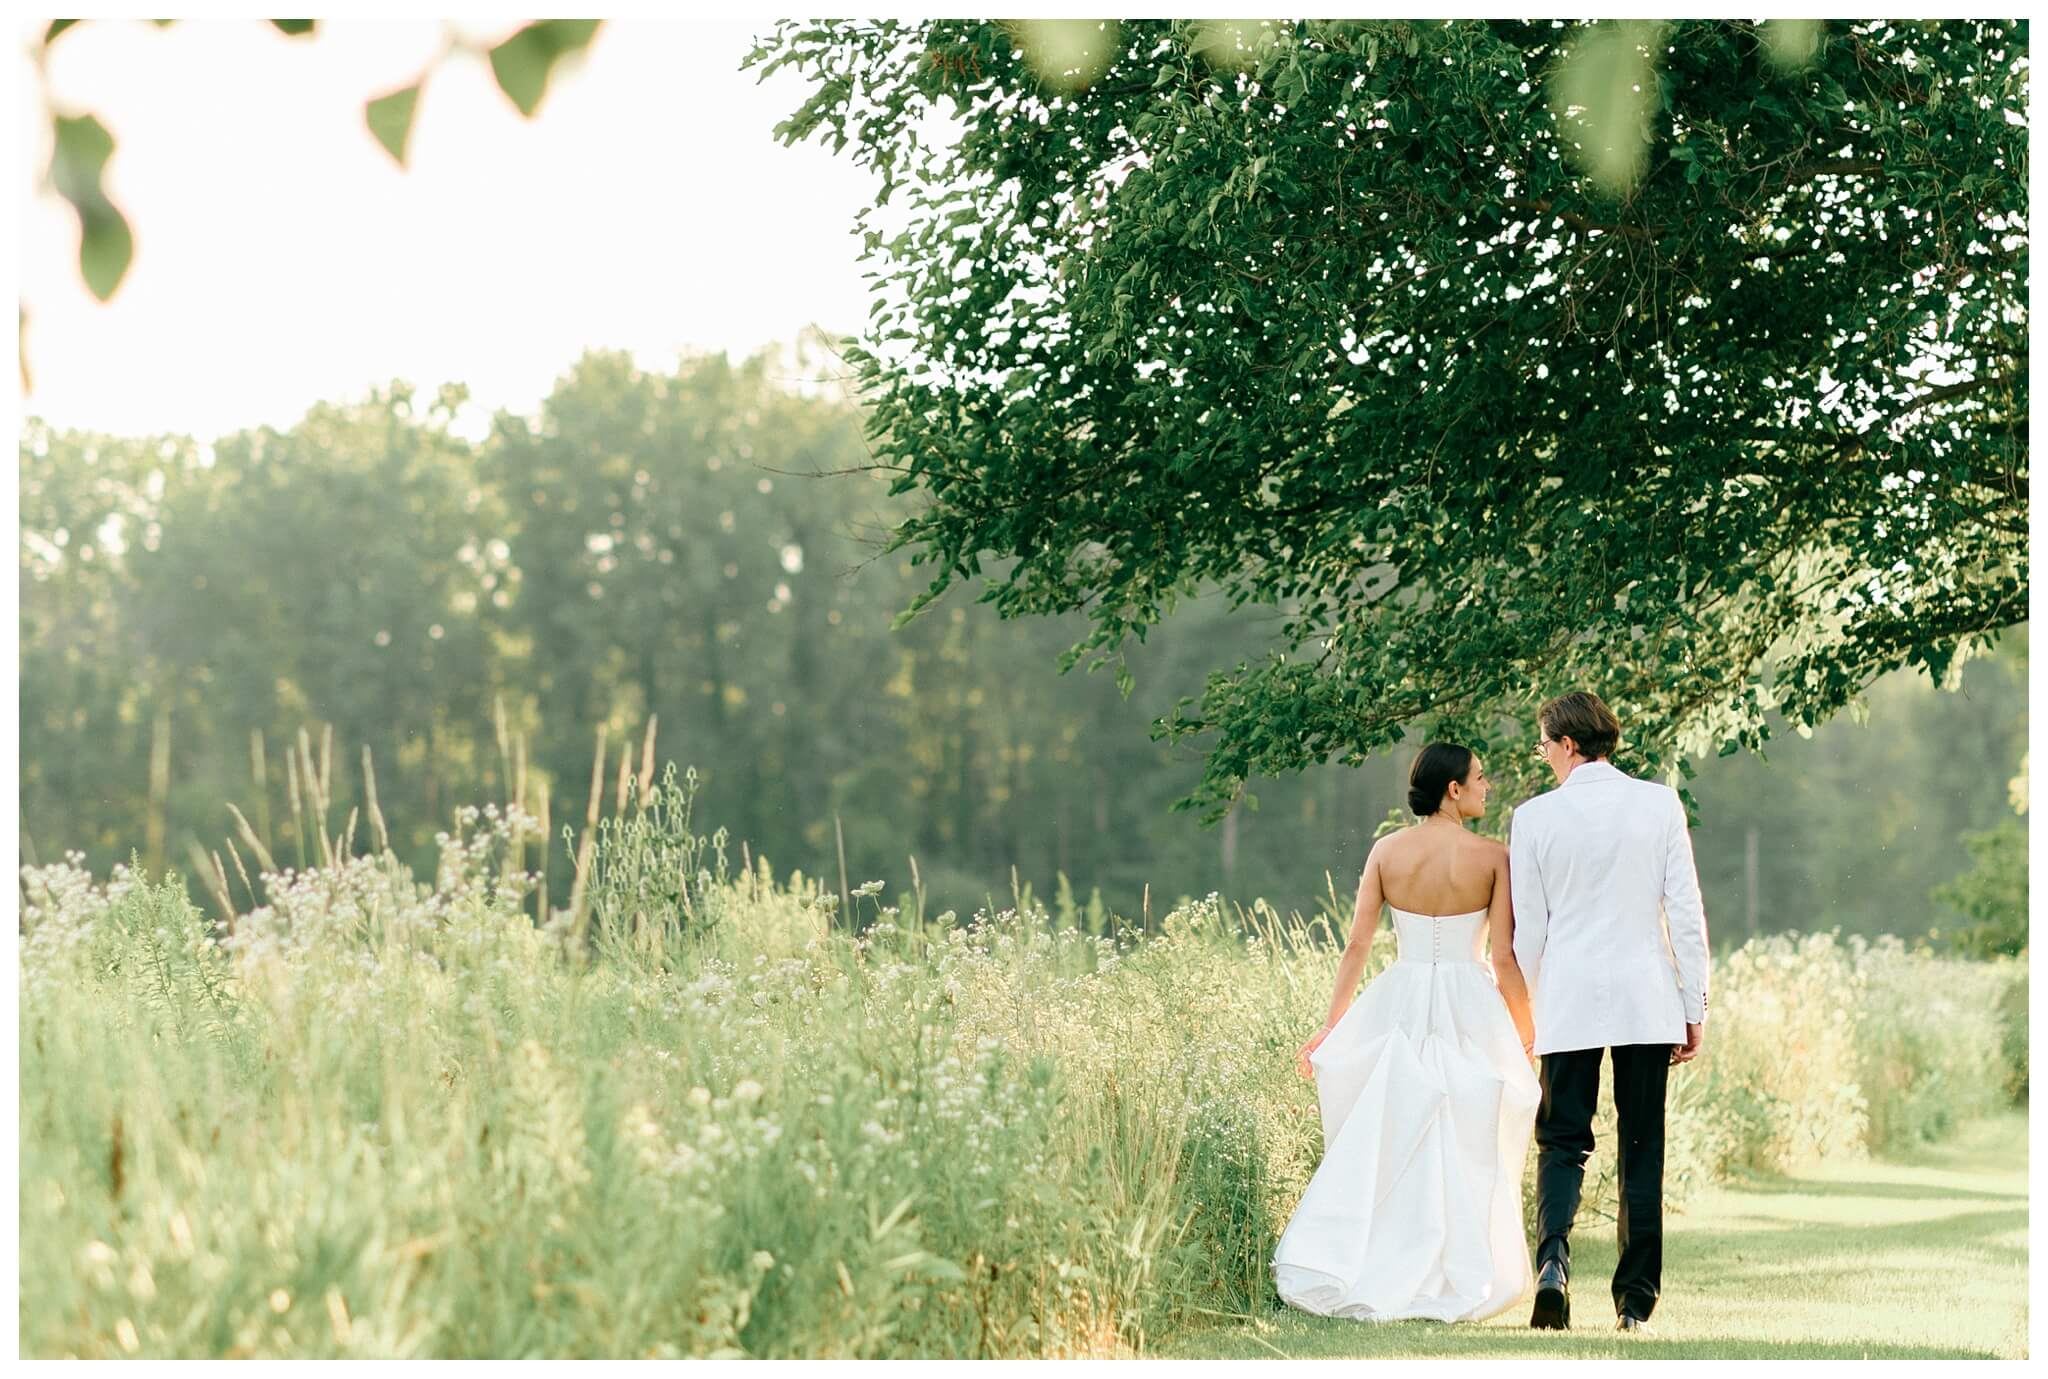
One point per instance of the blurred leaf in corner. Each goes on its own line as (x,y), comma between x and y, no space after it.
(390,119)
(1790,45)
(1604,93)
(57,26)
(1068,54)
(295,28)
(105,245)
(1237,45)
(524,62)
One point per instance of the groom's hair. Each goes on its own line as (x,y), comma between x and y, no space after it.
(1581,717)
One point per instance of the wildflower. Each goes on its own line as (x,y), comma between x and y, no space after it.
(748,1092)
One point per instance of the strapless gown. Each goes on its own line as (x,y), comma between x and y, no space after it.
(1428,1104)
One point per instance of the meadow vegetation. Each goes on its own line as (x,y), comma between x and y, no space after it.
(701,1111)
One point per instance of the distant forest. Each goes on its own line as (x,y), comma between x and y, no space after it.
(691,545)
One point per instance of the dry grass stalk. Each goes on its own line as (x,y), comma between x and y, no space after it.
(597,775)
(519,769)
(243,872)
(261,775)
(220,875)
(504,746)
(647,761)
(348,847)
(316,796)
(845,895)
(625,774)
(579,918)
(370,798)
(218,890)
(155,824)
(546,842)
(291,773)
(578,914)
(256,848)
(515,851)
(305,749)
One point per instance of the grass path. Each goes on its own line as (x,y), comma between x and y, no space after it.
(1922,1255)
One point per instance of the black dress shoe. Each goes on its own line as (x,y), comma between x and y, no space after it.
(1553,1300)
(1634,1326)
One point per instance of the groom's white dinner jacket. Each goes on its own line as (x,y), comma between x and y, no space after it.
(1609,930)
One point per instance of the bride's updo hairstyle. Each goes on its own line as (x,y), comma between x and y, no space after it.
(1435,768)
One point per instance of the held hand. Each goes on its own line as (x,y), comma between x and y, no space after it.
(1695,1036)
(1301,1064)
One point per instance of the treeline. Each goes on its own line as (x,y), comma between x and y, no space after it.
(705,547)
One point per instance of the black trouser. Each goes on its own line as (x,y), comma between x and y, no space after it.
(1564,1137)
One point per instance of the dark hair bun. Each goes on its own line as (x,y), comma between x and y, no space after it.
(1435,768)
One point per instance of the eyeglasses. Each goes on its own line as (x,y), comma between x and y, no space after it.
(1543,744)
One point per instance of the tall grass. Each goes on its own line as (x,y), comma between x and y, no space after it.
(701,1112)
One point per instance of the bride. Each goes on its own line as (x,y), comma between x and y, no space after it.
(1427,1090)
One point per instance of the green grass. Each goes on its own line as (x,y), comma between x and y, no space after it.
(1920,1255)
(701,1114)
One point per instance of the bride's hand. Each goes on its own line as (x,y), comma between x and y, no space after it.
(1301,1064)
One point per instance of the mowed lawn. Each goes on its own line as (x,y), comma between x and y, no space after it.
(1921,1255)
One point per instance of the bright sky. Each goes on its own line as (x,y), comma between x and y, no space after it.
(282,258)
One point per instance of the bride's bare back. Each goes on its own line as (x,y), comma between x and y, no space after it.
(1440,869)
(1428,869)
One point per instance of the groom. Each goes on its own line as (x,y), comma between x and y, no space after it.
(1612,939)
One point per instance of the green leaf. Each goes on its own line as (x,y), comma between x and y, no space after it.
(297,28)
(105,244)
(390,119)
(524,62)
(57,26)
(944,1271)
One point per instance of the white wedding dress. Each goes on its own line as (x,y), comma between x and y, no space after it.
(1428,1104)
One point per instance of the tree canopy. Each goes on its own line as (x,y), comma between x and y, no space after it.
(1681,361)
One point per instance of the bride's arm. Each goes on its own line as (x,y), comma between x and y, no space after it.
(1365,919)
(1507,973)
